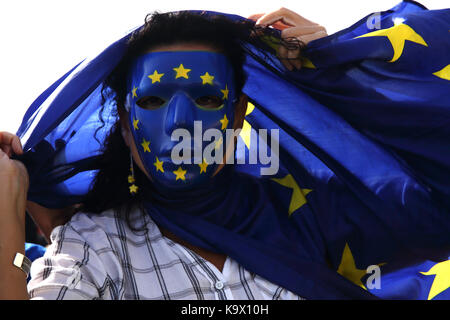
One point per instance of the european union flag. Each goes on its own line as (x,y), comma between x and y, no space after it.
(372,117)
(362,198)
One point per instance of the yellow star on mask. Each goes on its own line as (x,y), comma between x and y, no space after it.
(397,35)
(180,173)
(159,165)
(443,73)
(441,280)
(224,122)
(203,166)
(298,195)
(133,188)
(181,72)
(135,124)
(145,144)
(156,77)
(348,269)
(225,92)
(207,78)
(134,92)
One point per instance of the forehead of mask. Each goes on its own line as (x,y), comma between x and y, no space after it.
(195,73)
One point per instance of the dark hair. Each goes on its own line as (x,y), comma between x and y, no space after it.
(179,28)
(110,187)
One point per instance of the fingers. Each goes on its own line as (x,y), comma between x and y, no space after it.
(284,15)
(294,58)
(255,16)
(9,167)
(277,25)
(289,58)
(16,145)
(301,30)
(6,140)
(293,26)
(10,143)
(282,56)
(310,37)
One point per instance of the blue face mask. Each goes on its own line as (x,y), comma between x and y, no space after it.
(180,92)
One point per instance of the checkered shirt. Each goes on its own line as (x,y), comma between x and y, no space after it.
(97,256)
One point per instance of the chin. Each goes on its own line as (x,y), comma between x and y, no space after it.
(168,180)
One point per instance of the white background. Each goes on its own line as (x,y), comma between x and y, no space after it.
(43,39)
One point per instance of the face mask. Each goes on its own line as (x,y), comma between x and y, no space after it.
(180,104)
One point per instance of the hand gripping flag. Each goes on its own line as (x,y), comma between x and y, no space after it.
(364,180)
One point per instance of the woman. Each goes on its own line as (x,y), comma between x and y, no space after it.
(356,192)
(116,251)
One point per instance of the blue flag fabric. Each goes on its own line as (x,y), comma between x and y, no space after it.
(33,251)
(364,153)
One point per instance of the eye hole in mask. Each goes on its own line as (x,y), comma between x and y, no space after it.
(151,102)
(210,102)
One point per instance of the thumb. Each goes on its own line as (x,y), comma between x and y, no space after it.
(255,16)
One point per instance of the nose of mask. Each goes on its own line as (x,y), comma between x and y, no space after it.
(180,113)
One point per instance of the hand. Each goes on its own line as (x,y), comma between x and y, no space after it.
(14,184)
(10,143)
(14,181)
(13,195)
(291,25)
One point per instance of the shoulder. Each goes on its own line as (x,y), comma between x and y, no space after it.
(84,259)
(96,229)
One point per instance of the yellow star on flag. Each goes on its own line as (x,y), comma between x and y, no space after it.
(348,268)
(444,73)
(441,280)
(225,92)
(246,127)
(180,173)
(134,92)
(397,35)
(145,144)
(133,188)
(135,124)
(207,78)
(181,72)
(306,63)
(298,198)
(159,165)
(130,179)
(156,77)
(203,166)
(224,122)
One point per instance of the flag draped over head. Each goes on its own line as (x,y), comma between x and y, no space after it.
(360,205)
